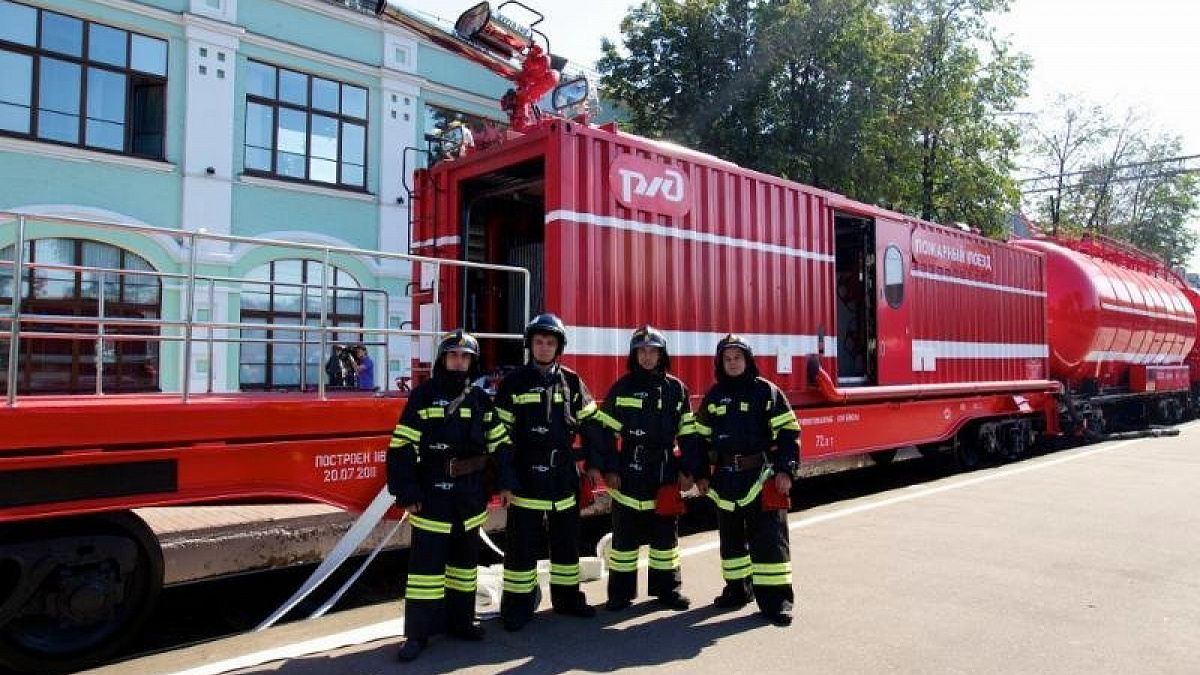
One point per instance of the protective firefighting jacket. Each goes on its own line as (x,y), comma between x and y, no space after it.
(446,427)
(647,413)
(748,430)
(544,414)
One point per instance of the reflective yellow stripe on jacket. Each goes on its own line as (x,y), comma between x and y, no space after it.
(729,505)
(627,501)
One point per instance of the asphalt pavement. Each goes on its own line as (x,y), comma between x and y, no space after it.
(1080,561)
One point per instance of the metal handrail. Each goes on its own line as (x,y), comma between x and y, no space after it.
(189,325)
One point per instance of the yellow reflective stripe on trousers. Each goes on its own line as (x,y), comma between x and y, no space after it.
(564,575)
(520,581)
(629,502)
(462,579)
(664,560)
(430,525)
(564,504)
(751,494)
(475,521)
(425,587)
(622,561)
(772,574)
(736,568)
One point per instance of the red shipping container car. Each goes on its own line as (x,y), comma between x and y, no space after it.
(850,308)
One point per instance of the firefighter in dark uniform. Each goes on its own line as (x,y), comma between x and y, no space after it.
(447,434)
(752,438)
(648,410)
(545,406)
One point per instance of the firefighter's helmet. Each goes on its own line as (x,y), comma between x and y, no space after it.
(546,324)
(458,341)
(648,336)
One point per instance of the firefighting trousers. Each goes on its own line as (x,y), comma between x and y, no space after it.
(634,527)
(443,570)
(756,555)
(527,526)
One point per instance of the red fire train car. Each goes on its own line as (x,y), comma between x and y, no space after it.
(886,331)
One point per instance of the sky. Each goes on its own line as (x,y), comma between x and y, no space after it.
(1118,54)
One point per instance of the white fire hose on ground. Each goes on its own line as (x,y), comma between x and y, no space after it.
(491,577)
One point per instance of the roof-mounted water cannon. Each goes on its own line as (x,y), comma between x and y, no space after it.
(494,30)
(501,45)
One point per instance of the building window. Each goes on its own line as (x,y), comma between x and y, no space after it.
(69,81)
(68,366)
(287,293)
(304,127)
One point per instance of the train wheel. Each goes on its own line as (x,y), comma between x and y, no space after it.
(75,590)
(1017,441)
(967,454)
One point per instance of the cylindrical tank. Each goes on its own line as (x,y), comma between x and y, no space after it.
(1103,317)
(1193,357)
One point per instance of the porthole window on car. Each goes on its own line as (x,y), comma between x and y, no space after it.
(893,277)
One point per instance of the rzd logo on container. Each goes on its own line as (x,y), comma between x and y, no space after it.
(645,185)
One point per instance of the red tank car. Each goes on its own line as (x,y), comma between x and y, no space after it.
(1193,357)
(1120,325)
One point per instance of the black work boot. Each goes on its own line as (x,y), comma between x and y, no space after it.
(733,597)
(471,632)
(580,609)
(617,604)
(781,616)
(674,600)
(412,649)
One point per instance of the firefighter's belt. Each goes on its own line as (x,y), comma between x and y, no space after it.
(461,466)
(742,462)
(639,457)
(549,459)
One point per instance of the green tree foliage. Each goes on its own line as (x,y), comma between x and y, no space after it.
(1116,177)
(891,102)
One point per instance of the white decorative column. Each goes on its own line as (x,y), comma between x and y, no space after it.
(208,151)
(397,130)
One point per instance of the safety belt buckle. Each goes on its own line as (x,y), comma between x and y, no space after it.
(540,468)
(444,486)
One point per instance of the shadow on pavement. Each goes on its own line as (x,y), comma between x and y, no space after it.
(642,636)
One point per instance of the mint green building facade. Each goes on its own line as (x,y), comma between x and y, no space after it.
(275,119)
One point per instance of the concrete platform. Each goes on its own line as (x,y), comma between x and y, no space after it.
(200,542)
(1083,561)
